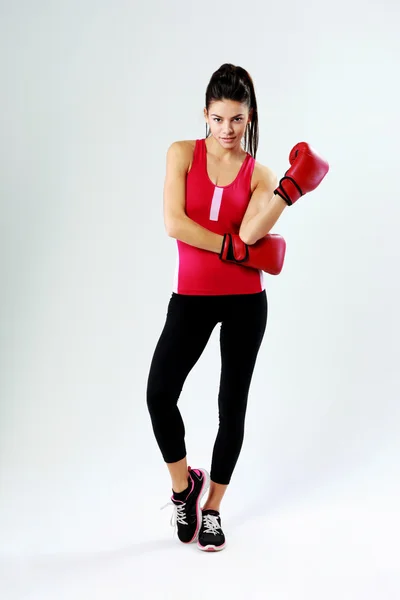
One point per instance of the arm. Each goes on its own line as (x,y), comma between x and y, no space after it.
(177,224)
(264,208)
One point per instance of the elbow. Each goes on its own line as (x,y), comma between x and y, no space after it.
(243,235)
(251,237)
(247,238)
(169,230)
(172,227)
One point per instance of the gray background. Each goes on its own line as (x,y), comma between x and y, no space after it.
(93,93)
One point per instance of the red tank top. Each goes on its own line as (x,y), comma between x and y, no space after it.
(219,209)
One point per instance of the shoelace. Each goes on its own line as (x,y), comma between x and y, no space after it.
(211,524)
(178,515)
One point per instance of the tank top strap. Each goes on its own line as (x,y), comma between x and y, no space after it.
(198,154)
(248,167)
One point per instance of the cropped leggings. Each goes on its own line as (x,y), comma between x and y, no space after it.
(189,323)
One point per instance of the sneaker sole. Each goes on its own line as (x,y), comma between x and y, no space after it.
(210,548)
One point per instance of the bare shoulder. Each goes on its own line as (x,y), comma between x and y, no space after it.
(263,175)
(181,153)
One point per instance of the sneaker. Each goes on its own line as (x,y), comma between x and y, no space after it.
(211,537)
(186,517)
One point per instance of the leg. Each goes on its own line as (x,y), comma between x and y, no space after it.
(179,475)
(242,331)
(186,332)
(215,495)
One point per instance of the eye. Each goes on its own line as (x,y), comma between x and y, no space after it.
(217,119)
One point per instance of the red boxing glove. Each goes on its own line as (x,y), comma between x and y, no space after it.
(267,254)
(306,173)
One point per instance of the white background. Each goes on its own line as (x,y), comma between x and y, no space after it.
(93,93)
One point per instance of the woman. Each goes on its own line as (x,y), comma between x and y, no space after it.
(216,197)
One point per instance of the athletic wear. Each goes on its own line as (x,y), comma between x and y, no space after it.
(208,291)
(211,537)
(189,323)
(219,209)
(187,512)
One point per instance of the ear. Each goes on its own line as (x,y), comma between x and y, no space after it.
(205,114)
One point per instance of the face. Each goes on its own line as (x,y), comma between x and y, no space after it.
(227,120)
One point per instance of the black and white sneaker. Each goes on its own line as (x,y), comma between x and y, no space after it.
(211,537)
(186,517)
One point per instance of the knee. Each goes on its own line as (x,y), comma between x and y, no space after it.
(154,397)
(160,399)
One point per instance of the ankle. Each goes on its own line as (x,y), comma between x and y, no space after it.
(180,486)
(211,507)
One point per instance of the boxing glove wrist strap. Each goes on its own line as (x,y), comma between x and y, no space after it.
(228,250)
(283,193)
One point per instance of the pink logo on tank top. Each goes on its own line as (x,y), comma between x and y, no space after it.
(216,203)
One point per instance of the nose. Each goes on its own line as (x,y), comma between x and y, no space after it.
(228,129)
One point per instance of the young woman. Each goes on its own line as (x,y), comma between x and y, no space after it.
(219,204)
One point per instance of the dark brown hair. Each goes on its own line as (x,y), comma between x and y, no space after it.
(234,83)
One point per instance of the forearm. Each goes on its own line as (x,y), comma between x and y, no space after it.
(258,226)
(188,231)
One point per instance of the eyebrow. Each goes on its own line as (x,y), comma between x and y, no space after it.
(219,116)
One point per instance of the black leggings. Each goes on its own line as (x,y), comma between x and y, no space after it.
(188,327)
